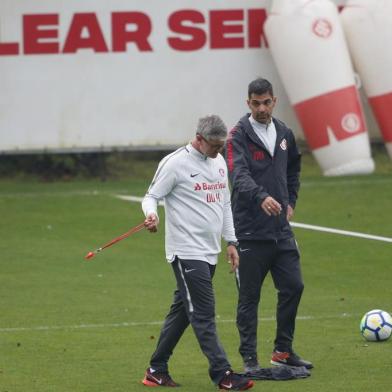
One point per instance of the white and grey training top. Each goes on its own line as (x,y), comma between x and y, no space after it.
(197,204)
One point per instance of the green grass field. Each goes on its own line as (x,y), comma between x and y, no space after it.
(69,325)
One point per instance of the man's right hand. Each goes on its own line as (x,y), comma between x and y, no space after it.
(151,223)
(271,206)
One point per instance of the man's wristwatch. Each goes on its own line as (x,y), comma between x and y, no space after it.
(234,243)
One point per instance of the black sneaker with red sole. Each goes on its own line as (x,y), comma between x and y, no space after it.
(234,382)
(158,379)
(289,359)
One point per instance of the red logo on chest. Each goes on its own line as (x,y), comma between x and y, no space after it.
(257,155)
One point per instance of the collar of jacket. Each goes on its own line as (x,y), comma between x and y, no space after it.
(197,154)
(280,132)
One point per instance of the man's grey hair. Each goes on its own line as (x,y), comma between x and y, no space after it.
(212,127)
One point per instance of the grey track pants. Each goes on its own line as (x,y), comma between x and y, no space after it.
(193,304)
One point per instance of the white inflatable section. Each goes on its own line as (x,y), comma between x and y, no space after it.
(308,64)
(368,28)
(388,146)
(340,165)
(308,46)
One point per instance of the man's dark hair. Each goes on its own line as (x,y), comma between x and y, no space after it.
(260,86)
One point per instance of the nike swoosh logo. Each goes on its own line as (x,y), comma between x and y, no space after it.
(244,250)
(228,386)
(158,380)
(189,270)
(194,175)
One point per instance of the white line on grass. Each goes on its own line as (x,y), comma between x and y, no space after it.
(149,323)
(59,193)
(136,199)
(341,232)
(325,182)
(51,194)
(299,225)
(352,182)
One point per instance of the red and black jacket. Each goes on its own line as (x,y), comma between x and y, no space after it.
(254,174)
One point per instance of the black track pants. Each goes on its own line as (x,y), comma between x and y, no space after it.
(193,303)
(257,258)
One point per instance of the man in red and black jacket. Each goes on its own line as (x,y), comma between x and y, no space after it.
(264,167)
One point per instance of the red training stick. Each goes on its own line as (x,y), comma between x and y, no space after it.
(135,229)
